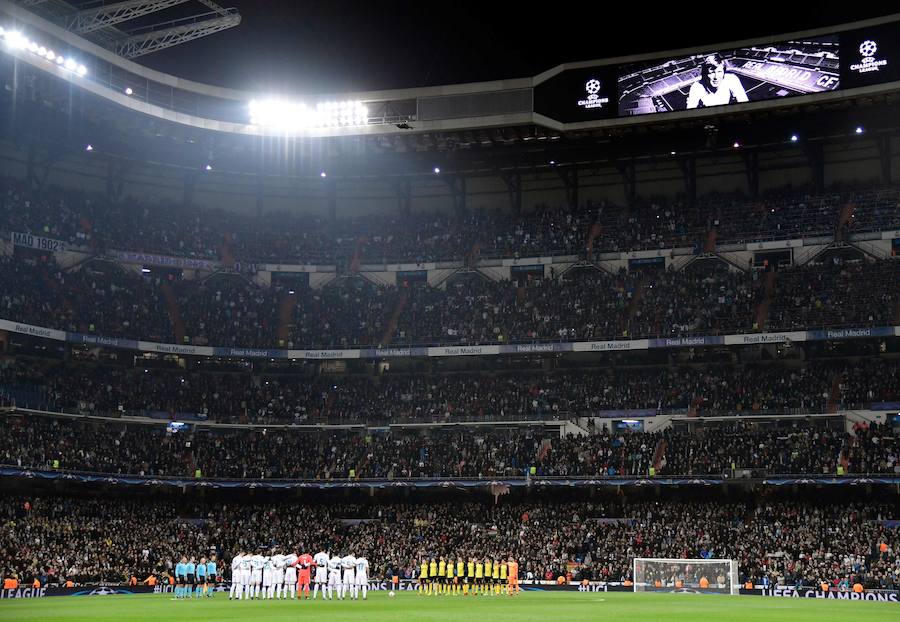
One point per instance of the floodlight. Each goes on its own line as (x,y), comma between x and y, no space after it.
(17,40)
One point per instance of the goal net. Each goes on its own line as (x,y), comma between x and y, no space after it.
(714,576)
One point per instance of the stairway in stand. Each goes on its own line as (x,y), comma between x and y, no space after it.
(174,310)
(761,318)
(390,329)
(286,318)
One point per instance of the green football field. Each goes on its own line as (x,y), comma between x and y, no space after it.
(543,606)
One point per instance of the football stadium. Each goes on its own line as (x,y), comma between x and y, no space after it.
(616,339)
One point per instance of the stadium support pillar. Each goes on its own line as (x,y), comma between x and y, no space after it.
(629,179)
(751,166)
(403,190)
(688,166)
(260,193)
(190,182)
(513,182)
(331,196)
(884,154)
(115,179)
(816,159)
(457,185)
(38,169)
(569,177)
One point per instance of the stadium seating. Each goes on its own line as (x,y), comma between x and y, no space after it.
(584,304)
(111,447)
(655,223)
(775,541)
(303,397)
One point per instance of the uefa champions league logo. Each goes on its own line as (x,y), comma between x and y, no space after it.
(868,63)
(594,100)
(868,48)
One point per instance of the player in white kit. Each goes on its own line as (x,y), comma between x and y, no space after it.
(362,577)
(277,587)
(257,563)
(244,572)
(334,576)
(321,562)
(268,588)
(290,576)
(348,564)
(235,574)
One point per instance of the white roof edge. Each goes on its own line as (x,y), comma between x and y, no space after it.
(27,17)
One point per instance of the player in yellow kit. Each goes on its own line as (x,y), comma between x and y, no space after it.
(470,576)
(459,576)
(495,578)
(487,575)
(423,576)
(433,576)
(503,570)
(448,577)
(441,574)
(479,575)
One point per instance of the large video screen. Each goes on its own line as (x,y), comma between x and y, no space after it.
(870,55)
(748,74)
(578,95)
(759,72)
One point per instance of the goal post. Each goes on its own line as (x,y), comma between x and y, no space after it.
(703,576)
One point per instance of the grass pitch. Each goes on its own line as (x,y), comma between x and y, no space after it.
(542,606)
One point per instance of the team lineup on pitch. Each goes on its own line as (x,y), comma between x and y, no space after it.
(277,576)
(287,576)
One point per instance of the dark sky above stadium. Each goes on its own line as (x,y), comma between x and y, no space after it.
(333,46)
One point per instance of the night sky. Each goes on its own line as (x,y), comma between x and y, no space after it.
(339,46)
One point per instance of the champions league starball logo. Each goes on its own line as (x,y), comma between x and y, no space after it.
(594,100)
(868,62)
(868,48)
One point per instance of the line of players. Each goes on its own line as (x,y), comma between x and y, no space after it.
(196,578)
(487,577)
(284,576)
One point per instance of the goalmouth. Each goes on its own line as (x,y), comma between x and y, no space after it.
(699,576)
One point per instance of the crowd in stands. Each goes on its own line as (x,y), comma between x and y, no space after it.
(582,305)
(100,299)
(229,312)
(707,297)
(866,382)
(169,229)
(835,292)
(107,446)
(298,398)
(779,542)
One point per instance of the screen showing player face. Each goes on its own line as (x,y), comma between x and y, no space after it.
(754,73)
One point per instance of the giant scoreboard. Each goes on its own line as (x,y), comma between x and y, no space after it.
(756,72)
